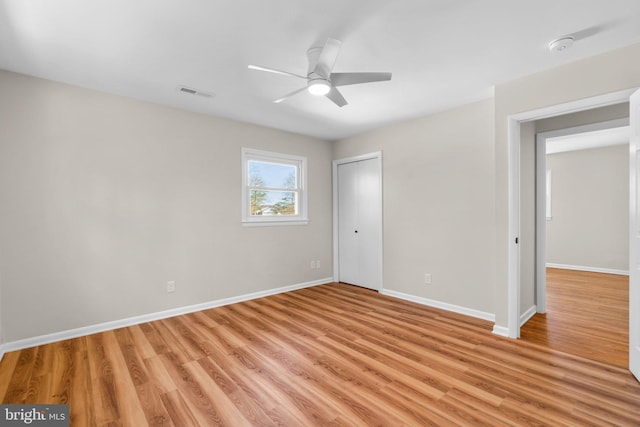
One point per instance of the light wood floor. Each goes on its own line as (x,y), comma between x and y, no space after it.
(328,355)
(587,314)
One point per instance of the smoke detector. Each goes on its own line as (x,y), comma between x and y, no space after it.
(563,43)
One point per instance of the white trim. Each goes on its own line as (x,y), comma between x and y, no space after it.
(513,144)
(501,330)
(359,158)
(591,127)
(634,226)
(524,317)
(441,305)
(609,137)
(280,223)
(130,321)
(513,292)
(543,214)
(300,163)
(591,269)
(547,211)
(336,237)
(575,106)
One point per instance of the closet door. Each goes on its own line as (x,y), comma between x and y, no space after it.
(360,223)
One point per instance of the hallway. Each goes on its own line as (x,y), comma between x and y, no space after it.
(587,315)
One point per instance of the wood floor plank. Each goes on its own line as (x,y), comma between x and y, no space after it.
(143,346)
(587,314)
(81,392)
(16,391)
(202,409)
(7,369)
(252,413)
(130,410)
(159,376)
(331,355)
(102,383)
(178,409)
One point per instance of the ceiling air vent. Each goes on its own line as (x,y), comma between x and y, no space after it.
(192,91)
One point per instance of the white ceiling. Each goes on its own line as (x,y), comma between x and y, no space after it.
(442,53)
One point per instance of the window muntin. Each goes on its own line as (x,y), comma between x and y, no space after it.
(273,188)
(268,183)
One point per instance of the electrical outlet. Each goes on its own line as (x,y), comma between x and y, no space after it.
(318,264)
(171,286)
(313,265)
(427,278)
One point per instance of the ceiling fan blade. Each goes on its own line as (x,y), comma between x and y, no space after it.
(272,70)
(328,57)
(337,98)
(344,79)
(289,95)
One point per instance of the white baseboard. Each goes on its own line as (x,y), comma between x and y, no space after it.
(442,305)
(501,330)
(130,321)
(591,269)
(524,318)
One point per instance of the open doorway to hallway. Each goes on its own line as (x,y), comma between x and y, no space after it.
(584,234)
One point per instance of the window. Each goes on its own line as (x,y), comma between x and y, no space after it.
(273,188)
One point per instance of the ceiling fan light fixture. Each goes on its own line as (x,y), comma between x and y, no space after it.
(319,87)
(320,79)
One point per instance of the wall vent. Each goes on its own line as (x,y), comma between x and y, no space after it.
(192,91)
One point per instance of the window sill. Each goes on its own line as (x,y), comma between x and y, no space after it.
(275,223)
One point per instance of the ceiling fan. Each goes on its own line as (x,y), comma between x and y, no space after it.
(320,78)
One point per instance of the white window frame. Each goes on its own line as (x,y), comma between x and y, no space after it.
(300,163)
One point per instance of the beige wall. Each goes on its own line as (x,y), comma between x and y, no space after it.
(105,199)
(601,74)
(590,202)
(438,204)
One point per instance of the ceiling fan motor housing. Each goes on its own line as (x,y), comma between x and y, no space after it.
(318,86)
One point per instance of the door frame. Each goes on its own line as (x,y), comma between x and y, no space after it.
(513,145)
(541,198)
(336,242)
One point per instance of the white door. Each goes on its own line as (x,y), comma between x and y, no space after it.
(634,238)
(360,223)
(348,242)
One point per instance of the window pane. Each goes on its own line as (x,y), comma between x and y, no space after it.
(269,203)
(262,174)
(273,188)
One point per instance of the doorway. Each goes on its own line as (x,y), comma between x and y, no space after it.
(569,140)
(581,227)
(358,220)
(513,253)
(514,216)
